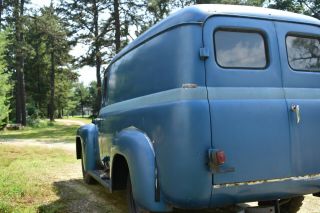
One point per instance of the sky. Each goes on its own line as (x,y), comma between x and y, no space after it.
(87,74)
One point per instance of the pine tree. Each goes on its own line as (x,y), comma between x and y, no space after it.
(18,14)
(5,88)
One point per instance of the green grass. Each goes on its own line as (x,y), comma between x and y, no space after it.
(26,176)
(53,132)
(79,118)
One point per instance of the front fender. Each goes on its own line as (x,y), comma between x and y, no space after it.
(88,135)
(138,151)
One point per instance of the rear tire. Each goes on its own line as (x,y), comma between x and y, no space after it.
(291,205)
(132,205)
(86,177)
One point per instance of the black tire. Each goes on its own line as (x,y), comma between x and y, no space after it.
(290,205)
(86,177)
(133,207)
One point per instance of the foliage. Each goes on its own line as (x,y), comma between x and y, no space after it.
(5,87)
(43,130)
(82,93)
(93,96)
(42,40)
(288,5)
(308,7)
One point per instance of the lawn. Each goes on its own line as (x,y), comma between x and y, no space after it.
(79,118)
(26,176)
(53,132)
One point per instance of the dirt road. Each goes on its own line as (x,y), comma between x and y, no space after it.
(79,197)
(70,122)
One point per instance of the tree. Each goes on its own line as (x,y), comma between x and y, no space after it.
(57,48)
(92,96)
(50,75)
(18,13)
(83,93)
(307,7)
(86,25)
(4,81)
(65,97)
(104,36)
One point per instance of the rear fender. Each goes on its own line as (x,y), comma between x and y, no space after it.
(88,135)
(138,151)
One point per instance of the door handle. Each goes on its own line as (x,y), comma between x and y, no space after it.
(296,109)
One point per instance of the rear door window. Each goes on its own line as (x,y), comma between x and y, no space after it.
(240,49)
(303,52)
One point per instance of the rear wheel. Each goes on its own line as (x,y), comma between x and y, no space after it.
(132,205)
(291,205)
(86,177)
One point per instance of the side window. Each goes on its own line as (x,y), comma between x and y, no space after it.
(240,49)
(303,52)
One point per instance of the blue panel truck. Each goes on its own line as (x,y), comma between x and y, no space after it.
(213,106)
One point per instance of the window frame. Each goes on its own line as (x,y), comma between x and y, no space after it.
(300,35)
(243,30)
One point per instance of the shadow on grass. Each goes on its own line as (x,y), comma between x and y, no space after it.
(76,196)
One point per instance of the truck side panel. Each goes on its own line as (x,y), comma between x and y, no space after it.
(145,91)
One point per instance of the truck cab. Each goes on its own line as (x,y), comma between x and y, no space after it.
(215,105)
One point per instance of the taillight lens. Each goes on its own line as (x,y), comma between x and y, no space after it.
(220,157)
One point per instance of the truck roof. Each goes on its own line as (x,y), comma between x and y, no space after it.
(199,14)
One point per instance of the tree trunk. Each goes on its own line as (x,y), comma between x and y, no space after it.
(18,103)
(99,94)
(39,98)
(98,59)
(52,84)
(20,85)
(81,102)
(23,93)
(1,9)
(117,25)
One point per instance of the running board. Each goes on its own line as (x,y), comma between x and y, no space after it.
(96,174)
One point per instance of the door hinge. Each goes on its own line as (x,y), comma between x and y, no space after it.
(204,53)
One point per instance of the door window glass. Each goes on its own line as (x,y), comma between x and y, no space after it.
(303,53)
(237,49)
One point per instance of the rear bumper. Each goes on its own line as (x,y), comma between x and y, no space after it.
(226,194)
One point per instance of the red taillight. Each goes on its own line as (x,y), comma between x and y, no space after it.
(220,157)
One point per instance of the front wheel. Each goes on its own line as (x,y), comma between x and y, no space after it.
(132,205)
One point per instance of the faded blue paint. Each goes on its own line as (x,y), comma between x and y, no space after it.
(302,88)
(89,142)
(199,14)
(138,150)
(164,129)
(266,191)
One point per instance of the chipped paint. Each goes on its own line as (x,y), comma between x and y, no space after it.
(249,183)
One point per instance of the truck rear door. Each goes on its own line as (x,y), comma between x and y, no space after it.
(249,113)
(299,46)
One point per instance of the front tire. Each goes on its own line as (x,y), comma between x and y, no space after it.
(132,205)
